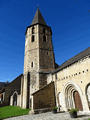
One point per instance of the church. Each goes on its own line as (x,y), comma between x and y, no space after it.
(44,84)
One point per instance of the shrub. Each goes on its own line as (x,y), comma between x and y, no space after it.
(72,110)
(55,108)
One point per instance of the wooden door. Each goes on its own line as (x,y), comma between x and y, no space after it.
(77,100)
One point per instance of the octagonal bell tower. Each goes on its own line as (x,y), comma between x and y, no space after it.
(38,59)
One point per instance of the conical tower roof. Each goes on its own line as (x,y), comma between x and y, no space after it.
(38,18)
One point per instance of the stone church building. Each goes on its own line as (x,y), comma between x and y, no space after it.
(44,84)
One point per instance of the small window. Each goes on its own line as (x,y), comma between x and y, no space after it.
(79,72)
(44,30)
(56,75)
(66,77)
(33,38)
(33,29)
(44,38)
(32,64)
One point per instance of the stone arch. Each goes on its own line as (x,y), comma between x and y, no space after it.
(59,100)
(87,91)
(2,96)
(73,95)
(15,95)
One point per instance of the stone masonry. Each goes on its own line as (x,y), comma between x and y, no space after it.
(38,53)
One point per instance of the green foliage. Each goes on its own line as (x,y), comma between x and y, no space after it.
(89,119)
(72,110)
(55,108)
(12,111)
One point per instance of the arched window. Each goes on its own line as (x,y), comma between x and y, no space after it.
(44,38)
(33,30)
(33,38)
(56,75)
(15,99)
(32,64)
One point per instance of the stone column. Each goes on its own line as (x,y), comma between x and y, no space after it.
(32,105)
(24,105)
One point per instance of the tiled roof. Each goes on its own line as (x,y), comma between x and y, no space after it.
(38,18)
(74,59)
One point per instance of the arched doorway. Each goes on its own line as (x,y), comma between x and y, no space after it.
(72,98)
(15,99)
(88,94)
(1,98)
(77,101)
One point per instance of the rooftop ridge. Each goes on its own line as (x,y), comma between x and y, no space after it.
(73,59)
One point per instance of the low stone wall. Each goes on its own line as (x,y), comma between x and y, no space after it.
(45,97)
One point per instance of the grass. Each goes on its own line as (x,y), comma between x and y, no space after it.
(12,111)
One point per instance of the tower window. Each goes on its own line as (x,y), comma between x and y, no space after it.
(56,75)
(44,30)
(32,64)
(33,38)
(44,38)
(33,30)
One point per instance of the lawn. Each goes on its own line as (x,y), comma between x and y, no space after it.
(12,111)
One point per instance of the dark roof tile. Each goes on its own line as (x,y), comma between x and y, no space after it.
(38,18)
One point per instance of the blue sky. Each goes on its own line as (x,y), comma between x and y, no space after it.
(69,20)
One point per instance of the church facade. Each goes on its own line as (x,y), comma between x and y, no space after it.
(44,84)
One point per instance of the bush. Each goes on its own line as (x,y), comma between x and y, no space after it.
(55,108)
(72,110)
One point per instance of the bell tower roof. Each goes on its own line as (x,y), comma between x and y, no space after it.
(38,18)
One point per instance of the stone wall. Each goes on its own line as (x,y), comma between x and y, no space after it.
(45,97)
(78,76)
(43,80)
(39,58)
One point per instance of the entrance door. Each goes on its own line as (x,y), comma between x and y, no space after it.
(77,101)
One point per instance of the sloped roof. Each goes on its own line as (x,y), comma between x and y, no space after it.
(74,59)
(3,84)
(38,18)
(14,85)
